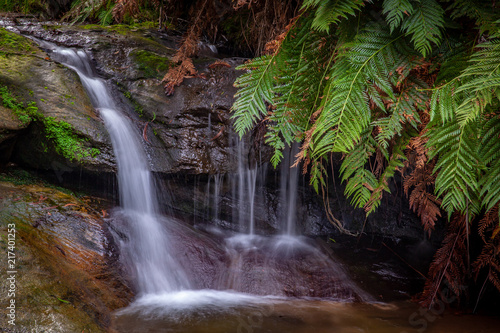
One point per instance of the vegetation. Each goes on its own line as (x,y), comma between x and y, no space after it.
(394,86)
(13,43)
(62,135)
(24,6)
(151,64)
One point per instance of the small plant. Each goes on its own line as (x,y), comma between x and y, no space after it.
(62,134)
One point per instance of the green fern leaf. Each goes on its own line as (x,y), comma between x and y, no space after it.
(490,156)
(396,11)
(255,88)
(457,164)
(345,110)
(330,12)
(425,24)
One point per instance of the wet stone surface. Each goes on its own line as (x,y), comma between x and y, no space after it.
(67,276)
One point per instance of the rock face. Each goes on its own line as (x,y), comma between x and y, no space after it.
(188,132)
(30,76)
(67,276)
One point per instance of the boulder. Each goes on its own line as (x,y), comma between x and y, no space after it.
(64,262)
(31,76)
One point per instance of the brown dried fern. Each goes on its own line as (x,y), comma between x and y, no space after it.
(489,220)
(418,187)
(448,264)
(188,48)
(489,256)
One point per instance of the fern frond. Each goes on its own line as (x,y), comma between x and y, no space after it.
(403,109)
(448,263)
(423,202)
(296,88)
(488,222)
(425,24)
(345,110)
(395,162)
(482,81)
(255,89)
(490,185)
(457,164)
(330,12)
(396,11)
(360,186)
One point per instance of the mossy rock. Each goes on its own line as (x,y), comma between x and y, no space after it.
(65,281)
(65,129)
(151,64)
(13,43)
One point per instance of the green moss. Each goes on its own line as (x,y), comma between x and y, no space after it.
(66,142)
(62,134)
(13,43)
(137,107)
(151,64)
(92,27)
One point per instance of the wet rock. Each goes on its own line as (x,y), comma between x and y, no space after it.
(10,129)
(201,256)
(31,76)
(286,266)
(67,276)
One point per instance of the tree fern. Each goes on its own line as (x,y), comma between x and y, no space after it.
(330,12)
(255,89)
(425,24)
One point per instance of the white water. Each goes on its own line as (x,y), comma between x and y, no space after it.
(246,184)
(147,247)
(289,182)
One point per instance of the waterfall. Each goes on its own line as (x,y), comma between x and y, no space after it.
(147,247)
(284,265)
(289,181)
(246,183)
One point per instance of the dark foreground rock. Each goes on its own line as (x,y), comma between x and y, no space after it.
(67,276)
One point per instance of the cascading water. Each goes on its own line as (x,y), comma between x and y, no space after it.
(147,248)
(289,181)
(245,184)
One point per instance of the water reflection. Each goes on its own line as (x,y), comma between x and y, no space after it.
(226,312)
